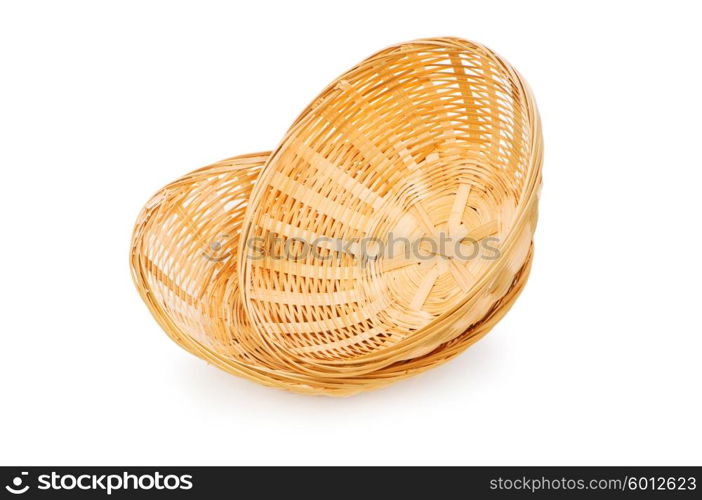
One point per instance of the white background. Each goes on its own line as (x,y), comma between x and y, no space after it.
(103,103)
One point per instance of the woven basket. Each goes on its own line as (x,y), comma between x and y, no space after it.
(281,267)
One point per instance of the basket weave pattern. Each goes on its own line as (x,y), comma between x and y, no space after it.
(430,137)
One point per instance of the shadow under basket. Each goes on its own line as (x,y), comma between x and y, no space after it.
(284,268)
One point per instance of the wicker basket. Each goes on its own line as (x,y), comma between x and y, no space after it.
(282,268)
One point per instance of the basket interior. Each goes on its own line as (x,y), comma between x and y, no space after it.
(186,250)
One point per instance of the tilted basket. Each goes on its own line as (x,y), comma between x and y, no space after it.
(320,267)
